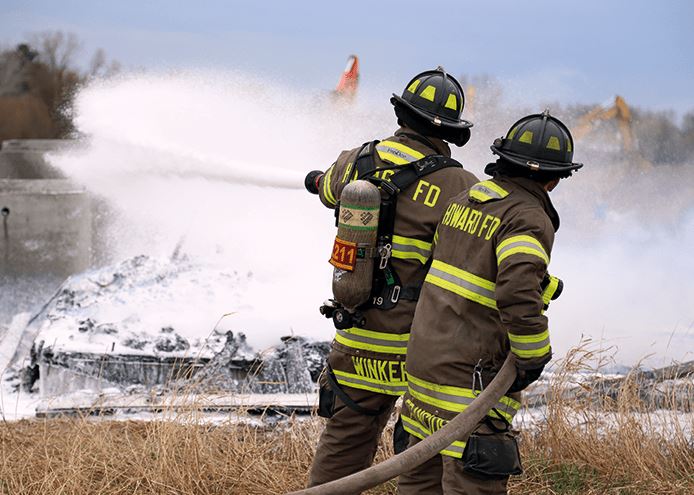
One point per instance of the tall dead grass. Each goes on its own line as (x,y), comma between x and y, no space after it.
(581,443)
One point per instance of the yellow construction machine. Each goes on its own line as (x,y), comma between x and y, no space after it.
(620,112)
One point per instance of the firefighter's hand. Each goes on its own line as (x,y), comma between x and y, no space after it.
(525,377)
(311,181)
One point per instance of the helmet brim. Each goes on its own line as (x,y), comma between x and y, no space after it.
(542,165)
(443,122)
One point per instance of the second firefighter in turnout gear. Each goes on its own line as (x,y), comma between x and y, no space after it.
(483,297)
(416,177)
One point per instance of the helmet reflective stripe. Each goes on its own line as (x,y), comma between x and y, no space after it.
(527,137)
(428,93)
(452,102)
(553,143)
(413,87)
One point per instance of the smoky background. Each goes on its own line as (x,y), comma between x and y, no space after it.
(210,164)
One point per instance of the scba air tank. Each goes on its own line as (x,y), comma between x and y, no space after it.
(355,244)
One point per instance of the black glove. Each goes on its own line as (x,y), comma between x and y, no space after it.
(311,181)
(524,378)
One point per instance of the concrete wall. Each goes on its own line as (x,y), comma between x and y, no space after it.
(45,220)
(45,226)
(24,158)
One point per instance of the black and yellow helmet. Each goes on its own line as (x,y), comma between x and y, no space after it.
(538,142)
(432,103)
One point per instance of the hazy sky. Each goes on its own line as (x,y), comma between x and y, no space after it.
(585,51)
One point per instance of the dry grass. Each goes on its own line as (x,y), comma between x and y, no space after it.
(581,447)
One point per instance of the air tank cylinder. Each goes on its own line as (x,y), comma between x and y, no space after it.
(355,243)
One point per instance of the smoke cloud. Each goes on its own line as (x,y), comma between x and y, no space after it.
(214,162)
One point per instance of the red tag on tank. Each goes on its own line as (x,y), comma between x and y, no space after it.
(344,255)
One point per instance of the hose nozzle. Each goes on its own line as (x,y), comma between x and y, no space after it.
(311,181)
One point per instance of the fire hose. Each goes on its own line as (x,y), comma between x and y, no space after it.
(459,428)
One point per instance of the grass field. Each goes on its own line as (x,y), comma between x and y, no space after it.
(579,446)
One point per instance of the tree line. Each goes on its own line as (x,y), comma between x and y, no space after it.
(38,81)
(40,77)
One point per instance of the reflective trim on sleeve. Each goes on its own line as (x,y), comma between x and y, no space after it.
(486,190)
(551,288)
(353,380)
(397,153)
(455,399)
(415,428)
(348,170)
(462,283)
(327,190)
(409,248)
(520,244)
(369,340)
(530,346)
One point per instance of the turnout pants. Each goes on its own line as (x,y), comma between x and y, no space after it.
(349,441)
(444,475)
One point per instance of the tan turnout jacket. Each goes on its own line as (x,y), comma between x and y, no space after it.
(481,300)
(373,357)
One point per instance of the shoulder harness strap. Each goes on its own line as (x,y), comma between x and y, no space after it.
(364,163)
(416,170)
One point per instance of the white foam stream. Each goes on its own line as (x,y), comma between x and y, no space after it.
(218,159)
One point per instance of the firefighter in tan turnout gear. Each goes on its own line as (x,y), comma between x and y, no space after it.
(484,296)
(416,178)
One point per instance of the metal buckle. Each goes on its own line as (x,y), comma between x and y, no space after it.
(385,252)
(477,376)
(396,294)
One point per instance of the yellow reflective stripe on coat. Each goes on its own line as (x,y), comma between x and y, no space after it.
(327,191)
(395,387)
(407,248)
(486,190)
(551,288)
(397,153)
(456,399)
(520,244)
(370,340)
(529,346)
(462,283)
(415,428)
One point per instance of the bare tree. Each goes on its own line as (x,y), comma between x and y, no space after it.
(56,49)
(99,68)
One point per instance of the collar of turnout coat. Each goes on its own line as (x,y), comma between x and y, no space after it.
(438,145)
(538,191)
